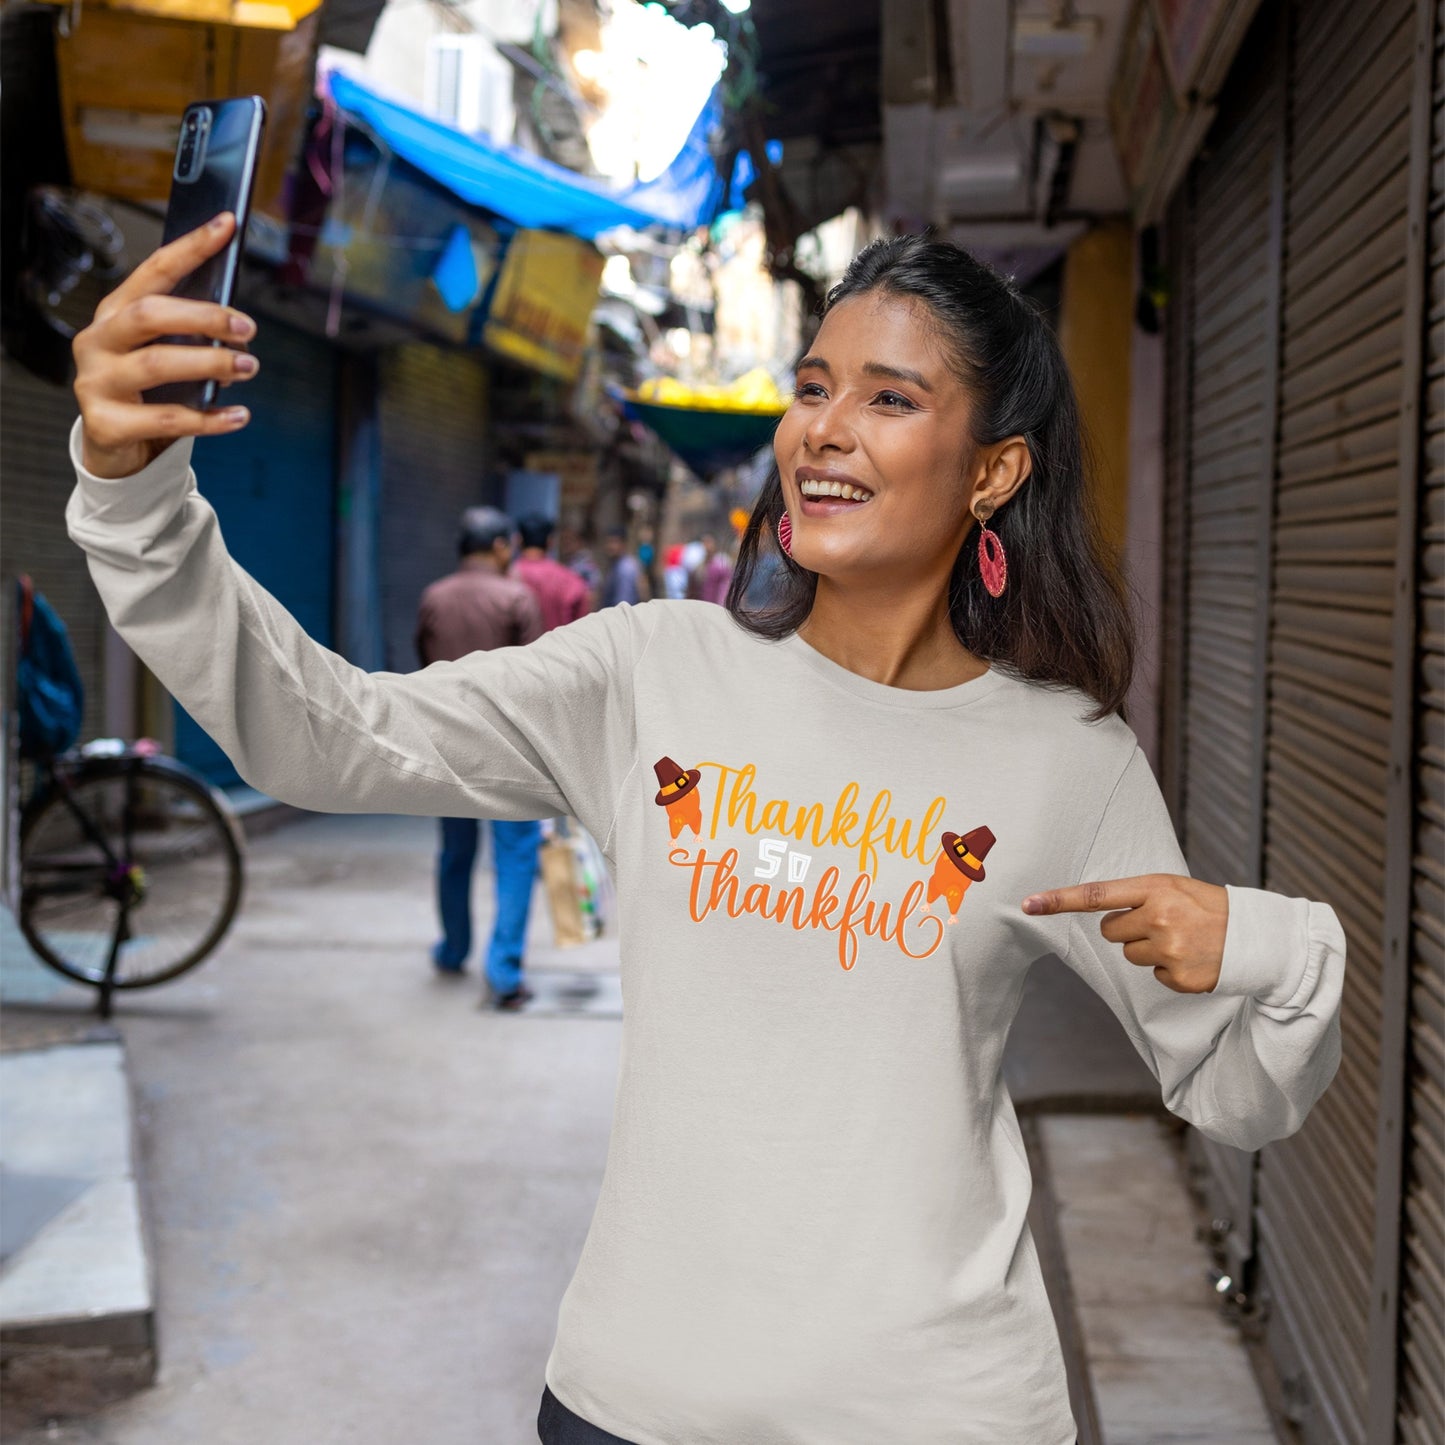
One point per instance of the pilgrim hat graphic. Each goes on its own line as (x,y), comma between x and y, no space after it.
(959,866)
(968,852)
(677,792)
(674,782)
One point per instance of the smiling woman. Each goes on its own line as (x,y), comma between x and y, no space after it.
(935,395)
(843,833)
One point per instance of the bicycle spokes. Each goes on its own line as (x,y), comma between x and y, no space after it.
(128,875)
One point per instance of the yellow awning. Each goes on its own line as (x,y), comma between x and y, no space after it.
(755,393)
(248,14)
(128,70)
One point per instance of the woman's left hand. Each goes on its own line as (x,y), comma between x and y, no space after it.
(1166,921)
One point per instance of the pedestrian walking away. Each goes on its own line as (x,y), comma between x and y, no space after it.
(624,579)
(475,609)
(844,827)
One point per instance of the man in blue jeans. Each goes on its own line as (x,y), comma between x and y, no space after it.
(478,608)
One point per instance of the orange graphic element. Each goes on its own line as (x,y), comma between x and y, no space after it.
(850,913)
(677,792)
(959,865)
(830,901)
(868,828)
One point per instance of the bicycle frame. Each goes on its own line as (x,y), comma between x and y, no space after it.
(55,777)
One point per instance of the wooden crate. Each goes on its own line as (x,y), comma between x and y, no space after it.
(125,78)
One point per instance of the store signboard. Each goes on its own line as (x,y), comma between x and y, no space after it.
(542,306)
(577,472)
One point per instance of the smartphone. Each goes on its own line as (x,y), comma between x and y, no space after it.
(214,171)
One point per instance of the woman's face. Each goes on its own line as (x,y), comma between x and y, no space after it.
(879,416)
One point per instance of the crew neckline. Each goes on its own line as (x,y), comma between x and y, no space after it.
(960,695)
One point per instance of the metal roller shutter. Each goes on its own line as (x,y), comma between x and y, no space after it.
(273,488)
(1174,656)
(1231,319)
(434,464)
(37,477)
(1421,1417)
(1330,661)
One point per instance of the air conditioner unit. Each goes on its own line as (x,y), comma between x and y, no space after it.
(469,85)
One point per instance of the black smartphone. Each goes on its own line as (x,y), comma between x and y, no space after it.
(215,170)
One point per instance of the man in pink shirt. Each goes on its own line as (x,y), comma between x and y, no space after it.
(561,594)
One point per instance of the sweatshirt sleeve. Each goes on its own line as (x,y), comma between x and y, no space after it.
(1246,1062)
(520,732)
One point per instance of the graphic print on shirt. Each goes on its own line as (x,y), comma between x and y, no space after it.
(677,792)
(782,890)
(959,866)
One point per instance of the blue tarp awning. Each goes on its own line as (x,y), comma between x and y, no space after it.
(530,190)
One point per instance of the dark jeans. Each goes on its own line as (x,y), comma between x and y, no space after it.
(557,1425)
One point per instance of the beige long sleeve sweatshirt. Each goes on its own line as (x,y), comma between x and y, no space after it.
(812,1225)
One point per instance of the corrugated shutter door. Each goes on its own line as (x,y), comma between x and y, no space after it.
(33,539)
(1422,1300)
(273,488)
(1230,319)
(1330,660)
(434,460)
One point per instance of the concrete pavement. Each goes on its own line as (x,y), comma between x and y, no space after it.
(76,1301)
(367,1194)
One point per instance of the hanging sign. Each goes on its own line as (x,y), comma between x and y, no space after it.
(543,302)
(578,472)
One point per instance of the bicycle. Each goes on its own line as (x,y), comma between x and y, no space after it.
(131,864)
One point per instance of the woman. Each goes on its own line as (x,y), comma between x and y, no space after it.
(843,829)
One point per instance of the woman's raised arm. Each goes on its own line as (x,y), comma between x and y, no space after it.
(519,732)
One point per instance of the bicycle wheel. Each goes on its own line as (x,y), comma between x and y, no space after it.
(136,854)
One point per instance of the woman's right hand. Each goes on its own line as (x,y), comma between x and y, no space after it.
(115,360)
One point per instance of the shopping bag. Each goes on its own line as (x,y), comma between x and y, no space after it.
(560,879)
(589,872)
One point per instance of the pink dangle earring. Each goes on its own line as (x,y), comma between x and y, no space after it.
(992,563)
(785,534)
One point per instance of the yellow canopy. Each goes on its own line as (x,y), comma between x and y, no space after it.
(250,14)
(128,68)
(754,393)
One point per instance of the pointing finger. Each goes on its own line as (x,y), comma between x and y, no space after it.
(1092,897)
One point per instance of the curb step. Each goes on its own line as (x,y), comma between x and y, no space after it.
(77,1299)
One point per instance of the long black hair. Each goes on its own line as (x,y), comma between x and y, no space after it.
(1063,618)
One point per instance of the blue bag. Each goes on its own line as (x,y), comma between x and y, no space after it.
(50,694)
